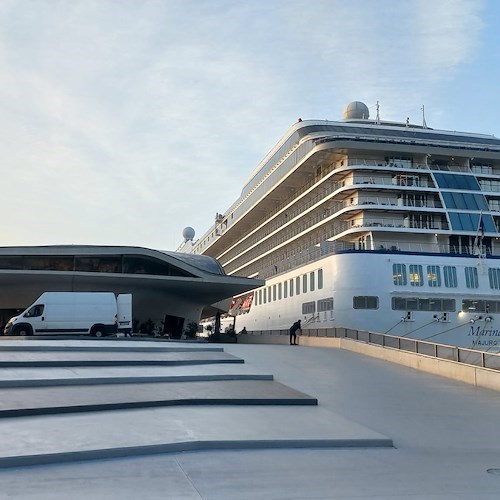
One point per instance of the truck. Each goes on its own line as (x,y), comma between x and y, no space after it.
(91,313)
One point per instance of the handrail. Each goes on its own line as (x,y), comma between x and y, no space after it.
(464,355)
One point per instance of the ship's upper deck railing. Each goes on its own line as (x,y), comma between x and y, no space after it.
(474,357)
(309,255)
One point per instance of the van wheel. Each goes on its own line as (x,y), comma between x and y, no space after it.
(23,330)
(98,331)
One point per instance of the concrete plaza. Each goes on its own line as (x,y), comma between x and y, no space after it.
(445,434)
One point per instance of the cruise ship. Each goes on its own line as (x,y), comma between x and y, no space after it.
(366,224)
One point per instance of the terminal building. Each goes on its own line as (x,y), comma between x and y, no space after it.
(169,289)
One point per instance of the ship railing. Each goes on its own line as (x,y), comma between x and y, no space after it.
(354,162)
(397,181)
(402,222)
(395,163)
(338,226)
(300,256)
(464,355)
(387,201)
(329,187)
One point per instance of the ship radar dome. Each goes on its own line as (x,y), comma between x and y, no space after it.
(356,110)
(188,233)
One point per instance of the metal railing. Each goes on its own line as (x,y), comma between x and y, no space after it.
(464,355)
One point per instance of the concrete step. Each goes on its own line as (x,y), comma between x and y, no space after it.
(112,358)
(26,401)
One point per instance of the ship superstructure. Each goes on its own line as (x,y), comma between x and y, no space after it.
(371,225)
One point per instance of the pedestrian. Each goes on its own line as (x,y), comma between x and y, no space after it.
(293,332)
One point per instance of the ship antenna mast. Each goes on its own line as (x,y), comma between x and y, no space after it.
(424,125)
(377,119)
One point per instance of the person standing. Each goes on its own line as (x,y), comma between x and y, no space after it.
(293,332)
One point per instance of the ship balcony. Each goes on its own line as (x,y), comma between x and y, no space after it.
(400,223)
(384,201)
(401,164)
(376,181)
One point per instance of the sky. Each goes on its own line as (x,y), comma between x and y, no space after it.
(124,121)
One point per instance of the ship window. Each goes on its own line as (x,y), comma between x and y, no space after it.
(450,276)
(308,308)
(269,294)
(311,281)
(304,283)
(494,276)
(297,285)
(395,161)
(320,279)
(416,275)
(279,291)
(285,289)
(399,304)
(467,201)
(433,276)
(325,304)
(475,306)
(291,287)
(256,301)
(274,293)
(471,279)
(448,305)
(461,221)
(457,181)
(406,180)
(264,295)
(412,304)
(399,274)
(422,304)
(365,302)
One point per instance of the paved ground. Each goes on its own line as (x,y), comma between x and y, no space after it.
(446,438)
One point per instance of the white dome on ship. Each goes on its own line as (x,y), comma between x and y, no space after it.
(356,110)
(188,233)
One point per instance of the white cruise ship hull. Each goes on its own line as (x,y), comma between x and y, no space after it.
(365,297)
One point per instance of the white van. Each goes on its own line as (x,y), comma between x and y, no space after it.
(93,313)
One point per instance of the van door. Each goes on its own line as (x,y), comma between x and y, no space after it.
(124,312)
(35,317)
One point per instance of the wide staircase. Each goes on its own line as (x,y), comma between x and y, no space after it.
(85,400)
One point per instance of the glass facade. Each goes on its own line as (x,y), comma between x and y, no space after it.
(456,181)
(120,264)
(466,201)
(465,221)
